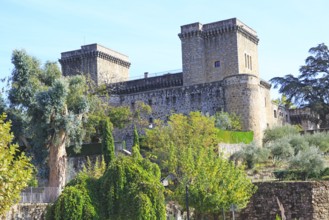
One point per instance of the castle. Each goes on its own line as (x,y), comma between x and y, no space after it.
(219,73)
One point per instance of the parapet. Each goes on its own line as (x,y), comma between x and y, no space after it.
(97,50)
(218,27)
(148,84)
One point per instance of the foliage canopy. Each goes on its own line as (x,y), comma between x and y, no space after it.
(187,148)
(15,171)
(310,87)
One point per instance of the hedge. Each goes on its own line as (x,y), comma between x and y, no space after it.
(235,137)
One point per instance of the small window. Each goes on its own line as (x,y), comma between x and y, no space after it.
(275,116)
(217,64)
(167,100)
(150,102)
(192,97)
(133,105)
(151,120)
(174,100)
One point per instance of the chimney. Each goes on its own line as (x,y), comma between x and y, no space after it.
(146,74)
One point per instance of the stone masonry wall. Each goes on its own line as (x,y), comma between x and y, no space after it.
(300,200)
(207,98)
(26,211)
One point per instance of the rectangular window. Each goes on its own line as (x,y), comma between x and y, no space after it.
(275,116)
(217,64)
(167,100)
(192,97)
(174,100)
(245,60)
(150,102)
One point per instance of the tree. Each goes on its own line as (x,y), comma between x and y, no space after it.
(52,108)
(310,88)
(136,147)
(226,121)
(15,171)
(309,161)
(108,142)
(187,148)
(129,189)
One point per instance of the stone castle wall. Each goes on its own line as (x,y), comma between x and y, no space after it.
(220,72)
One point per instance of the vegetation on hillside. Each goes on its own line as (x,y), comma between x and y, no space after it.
(129,189)
(294,156)
(15,170)
(187,148)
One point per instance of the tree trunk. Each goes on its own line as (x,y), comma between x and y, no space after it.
(57,160)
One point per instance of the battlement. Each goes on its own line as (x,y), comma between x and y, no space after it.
(218,27)
(94,47)
(147,84)
(95,50)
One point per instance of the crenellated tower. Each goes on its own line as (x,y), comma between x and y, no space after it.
(102,64)
(213,51)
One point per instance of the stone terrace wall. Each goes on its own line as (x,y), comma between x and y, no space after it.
(301,200)
(26,211)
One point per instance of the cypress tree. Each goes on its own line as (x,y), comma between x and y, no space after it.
(107,142)
(135,148)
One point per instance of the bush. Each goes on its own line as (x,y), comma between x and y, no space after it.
(251,154)
(273,134)
(321,140)
(281,149)
(75,201)
(309,161)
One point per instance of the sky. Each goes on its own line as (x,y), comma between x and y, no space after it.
(146,30)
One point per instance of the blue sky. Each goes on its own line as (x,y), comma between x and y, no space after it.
(147,30)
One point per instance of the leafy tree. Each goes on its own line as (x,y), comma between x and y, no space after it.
(188,149)
(108,142)
(52,109)
(129,189)
(310,88)
(15,171)
(283,101)
(227,121)
(132,190)
(136,146)
(120,116)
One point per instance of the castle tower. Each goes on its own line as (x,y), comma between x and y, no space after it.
(103,65)
(213,51)
(242,95)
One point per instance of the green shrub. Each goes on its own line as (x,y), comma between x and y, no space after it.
(272,134)
(251,154)
(280,149)
(309,161)
(320,140)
